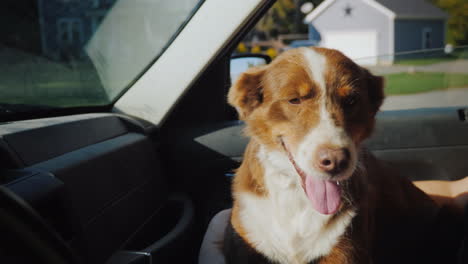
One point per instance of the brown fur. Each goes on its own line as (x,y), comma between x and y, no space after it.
(263,99)
(274,85)
(249,176)
(342,253)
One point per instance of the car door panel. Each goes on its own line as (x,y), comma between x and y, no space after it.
(423,144)
(57,138)
(97,179)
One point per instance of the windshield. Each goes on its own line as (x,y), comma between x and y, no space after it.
(74,53)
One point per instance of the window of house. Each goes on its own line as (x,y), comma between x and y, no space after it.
(96,21)
(426,38)
(70,30)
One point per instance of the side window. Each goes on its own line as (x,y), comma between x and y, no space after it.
(421,51)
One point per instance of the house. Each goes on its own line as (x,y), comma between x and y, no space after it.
(66,25)
(366,29)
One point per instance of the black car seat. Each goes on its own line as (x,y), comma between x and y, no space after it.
(210,251)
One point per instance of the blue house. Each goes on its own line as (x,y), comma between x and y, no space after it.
(371,31)
(66,25)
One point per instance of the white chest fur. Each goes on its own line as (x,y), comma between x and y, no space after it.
(283,225)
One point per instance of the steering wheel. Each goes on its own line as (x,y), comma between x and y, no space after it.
(26,237)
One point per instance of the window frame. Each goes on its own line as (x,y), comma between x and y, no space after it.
(154,105)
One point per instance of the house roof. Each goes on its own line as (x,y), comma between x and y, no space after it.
(413,8)
(392,8)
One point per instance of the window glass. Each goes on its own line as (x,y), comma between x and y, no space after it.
(421,49)
(69,53)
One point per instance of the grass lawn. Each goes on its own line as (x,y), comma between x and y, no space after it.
(58,93)
(418,82)
(430,57)
(423,61)
(55,101)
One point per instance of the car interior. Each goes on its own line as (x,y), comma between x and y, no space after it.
(90,185)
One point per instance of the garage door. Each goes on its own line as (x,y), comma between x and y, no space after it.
(360,46)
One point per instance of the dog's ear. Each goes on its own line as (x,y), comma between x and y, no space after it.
(375,90)
(246,93)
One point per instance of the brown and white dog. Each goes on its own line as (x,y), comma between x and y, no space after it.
(306,191)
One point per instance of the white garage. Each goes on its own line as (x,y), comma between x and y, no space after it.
(371,31)
(361,46)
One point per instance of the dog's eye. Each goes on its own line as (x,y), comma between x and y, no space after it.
(352,99)
(295,101)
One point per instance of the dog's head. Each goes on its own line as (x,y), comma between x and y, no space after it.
(315,106)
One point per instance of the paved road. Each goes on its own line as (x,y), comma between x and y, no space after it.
(450,97)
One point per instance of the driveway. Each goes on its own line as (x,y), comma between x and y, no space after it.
(450,97)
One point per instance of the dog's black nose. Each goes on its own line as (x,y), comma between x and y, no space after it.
(332,160)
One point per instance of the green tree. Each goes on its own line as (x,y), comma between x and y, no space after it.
(284,17)
(457,23)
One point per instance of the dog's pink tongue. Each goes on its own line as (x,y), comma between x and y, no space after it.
(324,195)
